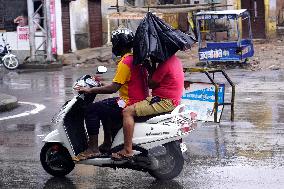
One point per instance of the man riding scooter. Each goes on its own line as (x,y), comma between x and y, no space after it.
(166,83)
(129,80)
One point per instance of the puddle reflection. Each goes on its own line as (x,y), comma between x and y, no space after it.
(59,183)
(170,184)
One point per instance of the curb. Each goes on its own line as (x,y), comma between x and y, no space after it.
(7,102)
(40,66)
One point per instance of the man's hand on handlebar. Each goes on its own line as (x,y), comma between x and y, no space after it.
(99,79)
(81,89)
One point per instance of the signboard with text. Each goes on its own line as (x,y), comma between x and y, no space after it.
(200,97)
(53,25)
(23,33)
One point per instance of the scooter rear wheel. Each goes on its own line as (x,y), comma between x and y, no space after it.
(56,160)
(170,164)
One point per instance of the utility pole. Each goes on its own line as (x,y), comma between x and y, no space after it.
(49,56)
(31,30)
(46,31)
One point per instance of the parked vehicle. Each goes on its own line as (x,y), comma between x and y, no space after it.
(9,60)
(220,38)
(157,140)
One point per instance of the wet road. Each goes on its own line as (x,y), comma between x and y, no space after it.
(247,153)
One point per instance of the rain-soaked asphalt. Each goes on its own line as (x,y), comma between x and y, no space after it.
(246,153)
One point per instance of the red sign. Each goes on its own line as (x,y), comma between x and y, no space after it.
(23,33)
(53,25)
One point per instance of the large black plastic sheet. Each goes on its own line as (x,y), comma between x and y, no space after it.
(156,40)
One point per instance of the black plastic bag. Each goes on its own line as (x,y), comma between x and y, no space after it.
(156,40)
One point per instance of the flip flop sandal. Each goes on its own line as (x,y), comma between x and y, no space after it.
(81,156)
(121,157)
(93,155)
(86,155)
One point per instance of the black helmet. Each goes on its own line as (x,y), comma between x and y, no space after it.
(122,39)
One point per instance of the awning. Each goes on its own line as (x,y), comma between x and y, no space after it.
(130,15)
(207,15)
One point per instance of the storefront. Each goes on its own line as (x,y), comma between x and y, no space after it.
(65,25)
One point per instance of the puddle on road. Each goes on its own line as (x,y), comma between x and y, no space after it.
(22,135)
(56,182)
(255,138)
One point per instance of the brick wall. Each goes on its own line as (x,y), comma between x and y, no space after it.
(66,26)
(95,23)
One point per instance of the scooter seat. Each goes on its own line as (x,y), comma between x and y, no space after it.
(145,118)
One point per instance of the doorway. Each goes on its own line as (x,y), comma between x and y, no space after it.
(257,14)
(95,23)
(66,26)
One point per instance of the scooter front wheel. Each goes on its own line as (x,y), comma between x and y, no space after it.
(56,160)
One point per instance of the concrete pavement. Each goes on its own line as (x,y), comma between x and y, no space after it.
(268,55)
(7,102)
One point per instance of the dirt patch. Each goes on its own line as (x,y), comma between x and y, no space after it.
(269,54)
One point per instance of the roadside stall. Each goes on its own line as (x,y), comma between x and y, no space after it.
(220,38)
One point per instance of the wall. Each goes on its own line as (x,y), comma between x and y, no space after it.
(59,34)
(79,24)
(270,19)
(20,48)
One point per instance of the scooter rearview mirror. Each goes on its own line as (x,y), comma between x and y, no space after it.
(101,69)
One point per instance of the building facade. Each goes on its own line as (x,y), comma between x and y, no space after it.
(265,15)
(77,25)
(81,24)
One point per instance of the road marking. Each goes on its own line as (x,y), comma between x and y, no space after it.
(37,109)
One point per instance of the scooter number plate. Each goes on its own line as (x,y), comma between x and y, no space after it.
(183,147)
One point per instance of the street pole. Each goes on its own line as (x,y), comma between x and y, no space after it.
(31,30)
(49,57)
(108,31)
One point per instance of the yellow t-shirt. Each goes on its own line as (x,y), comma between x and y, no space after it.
(133,80)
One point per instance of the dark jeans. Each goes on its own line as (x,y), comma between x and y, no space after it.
(106,111)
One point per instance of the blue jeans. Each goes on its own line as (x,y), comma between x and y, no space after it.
(107,111)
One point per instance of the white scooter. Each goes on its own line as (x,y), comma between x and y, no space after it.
(157,141)
(9,60)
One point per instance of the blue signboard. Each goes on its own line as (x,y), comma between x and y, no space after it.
(228,54)
(205,94)
(226,51)
(200,98)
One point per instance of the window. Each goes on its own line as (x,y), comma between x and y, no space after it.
(130,2)
(163,2)
(8,13)
(185,1)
